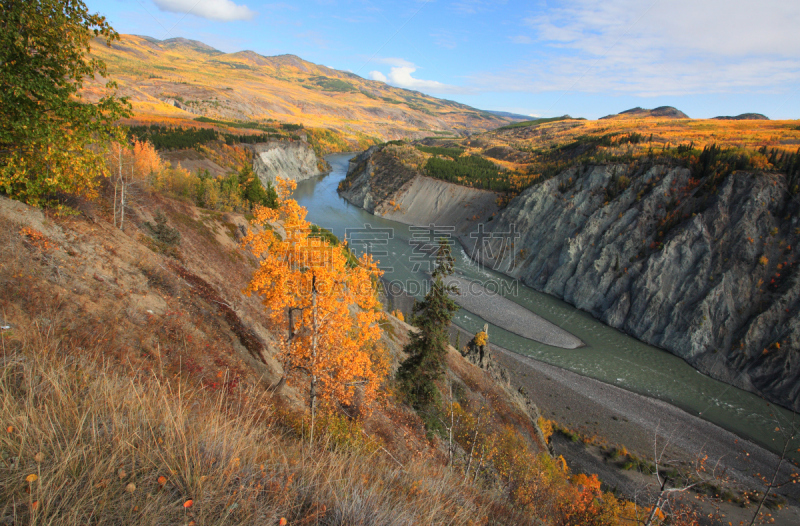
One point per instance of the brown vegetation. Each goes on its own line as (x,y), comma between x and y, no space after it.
(134,381)
(138,375)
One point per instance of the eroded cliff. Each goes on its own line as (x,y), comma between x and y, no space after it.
(709,276)
(381,183)
(290,160)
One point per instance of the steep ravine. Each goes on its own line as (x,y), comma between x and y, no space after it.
(707,275)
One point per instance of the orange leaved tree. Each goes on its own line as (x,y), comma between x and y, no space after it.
(128,166)
(326,307)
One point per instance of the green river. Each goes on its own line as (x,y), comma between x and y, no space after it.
(609,355)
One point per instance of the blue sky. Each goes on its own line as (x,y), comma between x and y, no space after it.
(585,58)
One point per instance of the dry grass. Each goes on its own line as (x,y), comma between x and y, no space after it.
(103,397)
(99,440)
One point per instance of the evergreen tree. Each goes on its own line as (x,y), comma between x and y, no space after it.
(254,191)
(428,346)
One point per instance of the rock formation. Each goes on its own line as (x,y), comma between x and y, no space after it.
(639,113)
(744,117)
(477,352)
(293,160)
(380,183)
(711,277)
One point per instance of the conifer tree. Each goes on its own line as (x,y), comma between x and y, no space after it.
(428,346)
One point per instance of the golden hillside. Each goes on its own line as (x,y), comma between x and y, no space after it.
(526,153)
(184,79)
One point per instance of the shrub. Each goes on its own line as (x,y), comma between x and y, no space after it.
(162,232)
(547,427)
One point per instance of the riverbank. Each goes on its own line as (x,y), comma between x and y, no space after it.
(613,417)
(491,306)
(622,417)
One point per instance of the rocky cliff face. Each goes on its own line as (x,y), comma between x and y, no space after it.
(289,160)
(373,177)
(709,276)
(380,183)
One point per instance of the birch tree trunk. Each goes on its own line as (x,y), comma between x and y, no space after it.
(314,329)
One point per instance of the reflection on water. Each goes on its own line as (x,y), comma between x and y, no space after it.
(609,355)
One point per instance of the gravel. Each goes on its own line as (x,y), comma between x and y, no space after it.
(508,315)
(638,422)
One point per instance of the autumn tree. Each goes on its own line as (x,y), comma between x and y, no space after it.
(48,132)
(326,308)
(129,167)
(428,345)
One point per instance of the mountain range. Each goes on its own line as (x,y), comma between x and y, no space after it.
(178,79)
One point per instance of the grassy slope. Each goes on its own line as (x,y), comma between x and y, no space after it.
(104,438)
(125,364)
(247,86)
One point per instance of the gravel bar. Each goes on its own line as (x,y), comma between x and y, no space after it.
(508,315)
(641,423)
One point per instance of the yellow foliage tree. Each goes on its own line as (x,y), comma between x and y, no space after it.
(327,310)
(146,160)
(49,134)
(129,165)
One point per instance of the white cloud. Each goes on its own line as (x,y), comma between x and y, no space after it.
(632,77)
(401,74)
(222,10)
(521,39)
(377,75)
(677,47)
(731,28)
(390,61)
(402,77)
